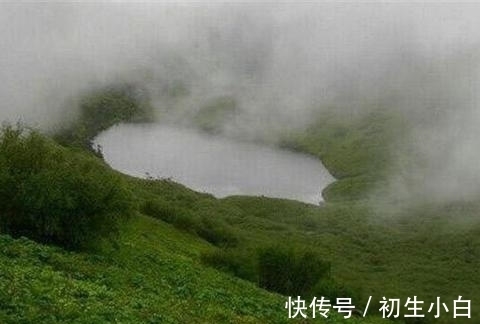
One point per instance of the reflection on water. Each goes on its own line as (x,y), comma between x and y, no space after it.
(213,164)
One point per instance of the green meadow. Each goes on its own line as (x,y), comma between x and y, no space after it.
(82,243)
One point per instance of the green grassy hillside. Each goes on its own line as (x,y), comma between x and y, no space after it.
(154,275)
(186,257)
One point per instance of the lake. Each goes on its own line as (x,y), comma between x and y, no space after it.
(213,164)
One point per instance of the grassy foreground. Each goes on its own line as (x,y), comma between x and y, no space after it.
(153,276)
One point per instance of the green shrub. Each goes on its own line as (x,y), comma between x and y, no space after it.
(54,195)
(283,270)
(178,217)
(290,272)
(216,232)
(185,221)
(233,261)
(211,230)
(160,210)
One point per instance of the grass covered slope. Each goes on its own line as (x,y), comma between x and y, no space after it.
(355,149)
(154,276)
(422,252)
(389,248)
(149,272)
(186,257)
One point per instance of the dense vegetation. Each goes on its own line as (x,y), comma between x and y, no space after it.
(164,265)
(357,150)
(55,195)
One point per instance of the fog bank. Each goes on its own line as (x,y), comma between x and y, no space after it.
(281,62)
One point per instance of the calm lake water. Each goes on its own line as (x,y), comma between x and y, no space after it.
(213,164)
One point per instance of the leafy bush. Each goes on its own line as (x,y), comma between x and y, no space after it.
(181,218)
(233,261)
(216,232)
(290,272)
(211,230)
(162,210)
(280,269)
(54,195)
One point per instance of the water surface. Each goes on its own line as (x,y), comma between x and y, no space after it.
(213,164)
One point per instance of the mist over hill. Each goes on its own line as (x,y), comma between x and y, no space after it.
(282,64)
